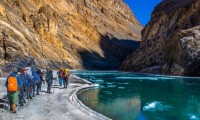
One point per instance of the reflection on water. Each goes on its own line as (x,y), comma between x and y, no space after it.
(128,96)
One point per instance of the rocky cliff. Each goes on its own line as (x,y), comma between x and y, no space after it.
(170,41)
(89,34)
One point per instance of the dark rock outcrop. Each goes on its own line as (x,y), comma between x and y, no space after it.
(170,41)
(57,32)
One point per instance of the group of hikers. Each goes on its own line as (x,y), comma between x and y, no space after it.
(26,83)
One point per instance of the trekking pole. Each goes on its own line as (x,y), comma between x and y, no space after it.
(53,86)
(41,88)
(28,95)
(18,103)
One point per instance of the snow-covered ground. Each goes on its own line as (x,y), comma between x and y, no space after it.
(62,104)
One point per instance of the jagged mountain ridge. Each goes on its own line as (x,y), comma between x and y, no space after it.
(59,32)
(170,41)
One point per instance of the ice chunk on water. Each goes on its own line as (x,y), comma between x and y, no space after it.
(145,78)
(121,87)
(125,77)
(123,83)
(139,78)
(156,106)
(96,85)
(110,83)
(193,117)
(110,86)
(97,80)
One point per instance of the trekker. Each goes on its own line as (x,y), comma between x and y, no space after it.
(49,79)
(21,87)
(31,82)
(60,74)
(36,85)
(66,77)
(28,84)
(39,84)
(12,88)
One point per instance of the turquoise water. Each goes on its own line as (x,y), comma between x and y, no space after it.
(131,96)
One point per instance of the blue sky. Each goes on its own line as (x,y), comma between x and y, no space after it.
(142,9)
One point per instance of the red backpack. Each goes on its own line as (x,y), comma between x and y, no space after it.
(12,84)
(61,74)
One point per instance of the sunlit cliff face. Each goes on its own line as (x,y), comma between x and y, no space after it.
(170,41)
(55,31)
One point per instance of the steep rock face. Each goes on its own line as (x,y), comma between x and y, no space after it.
(170,41)
(64,32)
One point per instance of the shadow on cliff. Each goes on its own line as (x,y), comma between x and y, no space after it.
(114,51)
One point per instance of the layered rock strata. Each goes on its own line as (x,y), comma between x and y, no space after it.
(170,41)
(78,33)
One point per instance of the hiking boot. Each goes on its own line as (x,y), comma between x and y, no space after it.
(33,95)
(14,108)
(30,97)
(38,94)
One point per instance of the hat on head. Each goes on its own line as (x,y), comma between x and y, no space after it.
(29,64)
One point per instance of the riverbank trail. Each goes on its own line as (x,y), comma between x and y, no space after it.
(53,106)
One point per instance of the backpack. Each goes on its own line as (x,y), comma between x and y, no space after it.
(23,79)
(35,76)
(12,84)
(29,72)
(67,73)
(61,74)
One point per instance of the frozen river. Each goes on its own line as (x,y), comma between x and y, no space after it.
(132,96)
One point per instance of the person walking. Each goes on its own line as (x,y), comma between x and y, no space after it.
(21,88)
(26,83)
(39,84)
(36,84)
(30,81)
(29,85)
(60,74)
(12,86)
(49,79)
(66,77)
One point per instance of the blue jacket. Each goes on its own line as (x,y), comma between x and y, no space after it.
(27,79)
(19,80)
(36,77)
(13,74)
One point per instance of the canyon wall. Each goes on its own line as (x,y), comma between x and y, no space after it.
(90,34)
(170,41)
